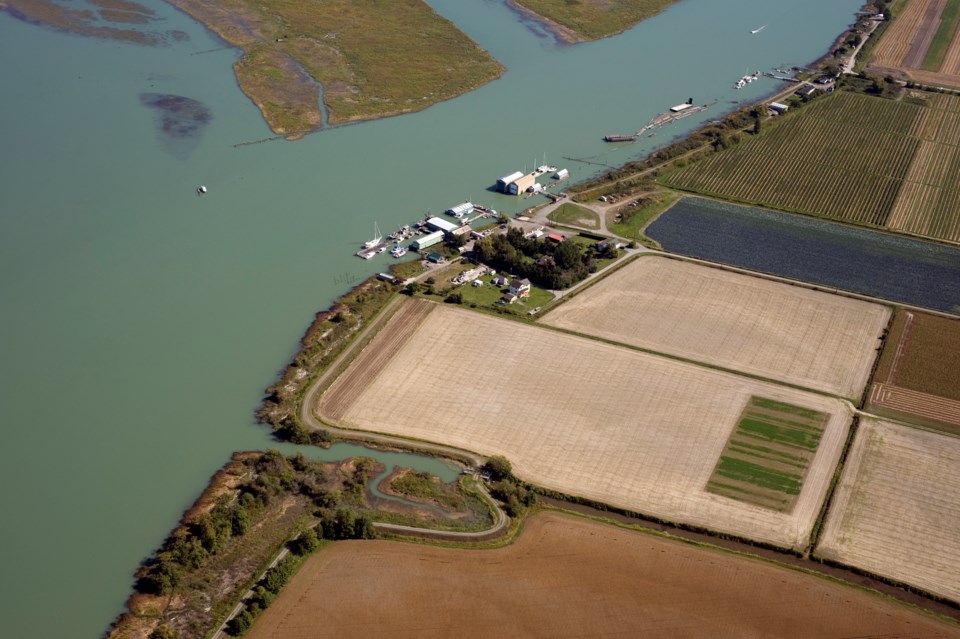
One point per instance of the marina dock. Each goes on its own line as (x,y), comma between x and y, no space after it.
(418,229)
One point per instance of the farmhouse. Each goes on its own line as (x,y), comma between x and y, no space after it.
(520,288)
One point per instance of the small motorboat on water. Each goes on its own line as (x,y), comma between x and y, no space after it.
(201,189)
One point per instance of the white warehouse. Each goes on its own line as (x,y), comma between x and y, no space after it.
(460,210)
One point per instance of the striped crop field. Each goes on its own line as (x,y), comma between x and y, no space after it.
(766,458)
(851,157)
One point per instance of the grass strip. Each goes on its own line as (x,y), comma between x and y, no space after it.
(772,432)
(801,465)
(742,470)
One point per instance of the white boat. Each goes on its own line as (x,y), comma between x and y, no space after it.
(377,238)
(758,30)
(201,189)
(398,251)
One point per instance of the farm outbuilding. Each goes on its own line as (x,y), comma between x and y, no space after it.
(460,210)
(503,184)
(779,107)
(435,258)
(438,224)
(427,240)
(555,237)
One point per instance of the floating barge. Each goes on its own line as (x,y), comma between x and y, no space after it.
(678,112)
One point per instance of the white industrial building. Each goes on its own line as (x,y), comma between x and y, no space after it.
(438,224)
(561,174)
(460,210)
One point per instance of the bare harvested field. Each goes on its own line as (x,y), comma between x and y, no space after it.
(766,328)
(569,577)
(584,417)
(386,343)
(897,508)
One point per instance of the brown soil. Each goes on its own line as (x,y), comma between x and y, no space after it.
(568,577)
(930,357)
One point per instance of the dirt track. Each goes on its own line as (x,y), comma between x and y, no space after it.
(568,577)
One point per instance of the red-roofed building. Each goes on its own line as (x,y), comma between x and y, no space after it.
(555,237)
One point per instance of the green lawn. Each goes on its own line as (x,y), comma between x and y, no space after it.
(488,296)
(572,214)
(634,220)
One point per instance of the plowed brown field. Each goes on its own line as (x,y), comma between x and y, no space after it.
(586,418)
(566,577)
(770,329)
(897,508)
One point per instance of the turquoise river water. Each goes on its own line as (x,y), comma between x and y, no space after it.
(141,322)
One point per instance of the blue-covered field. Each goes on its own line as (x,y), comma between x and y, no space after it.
(862,261)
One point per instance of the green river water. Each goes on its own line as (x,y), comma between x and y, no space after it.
(141,322)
